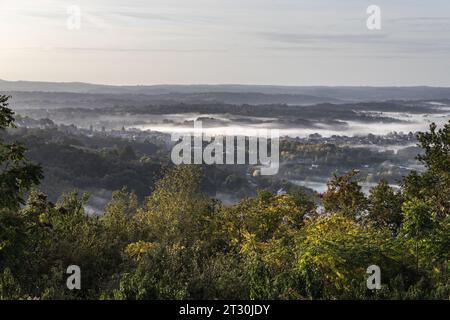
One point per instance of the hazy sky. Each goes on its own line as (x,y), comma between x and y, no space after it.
(291,42)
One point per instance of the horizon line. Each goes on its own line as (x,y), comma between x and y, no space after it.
(228,84)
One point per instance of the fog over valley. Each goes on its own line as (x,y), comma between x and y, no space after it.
(324,130)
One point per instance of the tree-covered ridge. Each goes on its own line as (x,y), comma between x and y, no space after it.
(182,244)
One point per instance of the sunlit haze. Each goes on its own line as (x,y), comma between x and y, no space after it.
(283,42)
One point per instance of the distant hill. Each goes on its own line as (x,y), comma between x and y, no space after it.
(236,94)
(52,100)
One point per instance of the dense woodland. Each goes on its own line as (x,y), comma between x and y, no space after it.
(180,243)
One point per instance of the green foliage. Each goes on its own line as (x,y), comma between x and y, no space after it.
(384,207)
(339,250)
(344,195)
(426,227)
(9,288)
(17,175)
(434,183)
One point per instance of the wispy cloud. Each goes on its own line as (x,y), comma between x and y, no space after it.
(322,37)
(399,19)
(116,49)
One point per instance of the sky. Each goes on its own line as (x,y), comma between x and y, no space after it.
(272,42)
